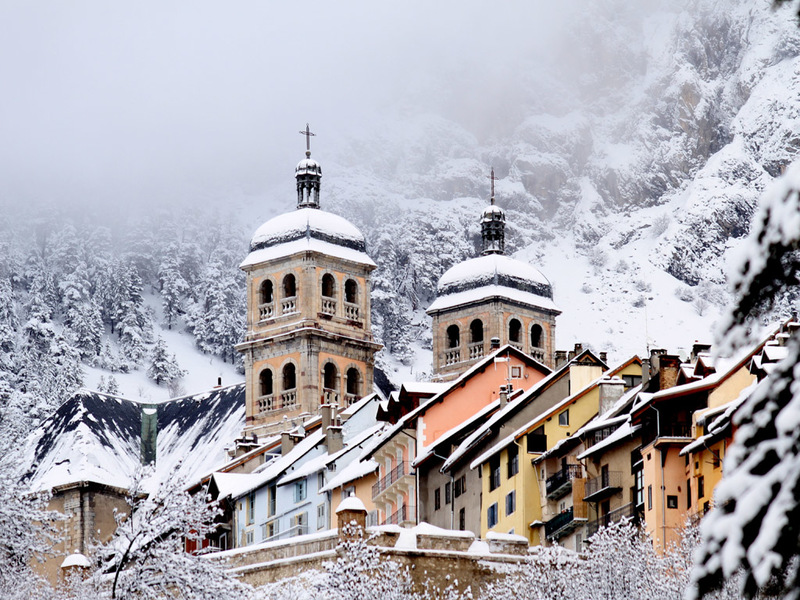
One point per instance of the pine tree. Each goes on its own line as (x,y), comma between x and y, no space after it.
(754,526)
(163,368)
(112,387)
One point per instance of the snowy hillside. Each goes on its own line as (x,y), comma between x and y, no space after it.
(629,167)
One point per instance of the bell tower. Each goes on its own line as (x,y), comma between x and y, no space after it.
(309,338)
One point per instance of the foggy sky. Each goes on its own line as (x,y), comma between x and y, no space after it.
(138,101)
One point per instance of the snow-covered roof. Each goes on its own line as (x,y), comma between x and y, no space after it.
(355,470)
(493,275)
(307,229)
(96,437)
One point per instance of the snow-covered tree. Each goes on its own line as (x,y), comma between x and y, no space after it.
(147,559)
(163,367)
(755,525)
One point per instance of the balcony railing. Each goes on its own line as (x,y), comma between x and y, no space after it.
(386,482)
(401,515)
(351,311)
(562,524)
(266,311)
(475,350)
(516,345)
(328,306)
(537,354)
(675,430)
(265,403)
(289,305)
(627,511)
(452,356)
(599,488)
(350,399)
(288,399)
(560,483)
(330,396)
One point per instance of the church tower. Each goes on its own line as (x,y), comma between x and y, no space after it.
(492,296)
(309,338)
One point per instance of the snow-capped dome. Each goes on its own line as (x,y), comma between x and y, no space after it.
(493,275)
(307,229)
(308,166)
(493,213)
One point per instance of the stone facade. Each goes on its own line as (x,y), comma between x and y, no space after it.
(308,340)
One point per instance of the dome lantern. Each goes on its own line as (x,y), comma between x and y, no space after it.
(493,225)
(308,174)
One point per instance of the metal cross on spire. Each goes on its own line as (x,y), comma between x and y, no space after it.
(308,135)
(493,178)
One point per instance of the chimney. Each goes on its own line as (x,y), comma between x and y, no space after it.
(219,382)
(328,412)
(645,373)
(503,396)
(149,434)
(495,343)
(697,349)
(655,364)
(561,358)
(611,390)
(334,439)
(578,349)
(351,516)
(604,357)
(669,367)
(288,440)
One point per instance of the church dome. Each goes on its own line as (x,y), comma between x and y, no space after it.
(493,275)
(308,166)
(493,213)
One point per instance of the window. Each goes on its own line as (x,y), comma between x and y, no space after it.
(491,515)
(453,337)
(563,418)
(353,379)
(265,382)
(494,478)
(511,502)
(350,291)
(265,292)
(289,286)
(516,372)
(457,488)
(348,491)
(649,497)
(638,478)
(476,331)
(273,529)
(537,440)
(321,521)
(329,376)
(300,490)
(701,487)
(437,499)
(536,336)
(248,537)
(328,285)
(320,480)
(688,493)
(672,502)
(514,330)
(251,507)
(513,460)
(462,519)
(272,492)
(289,377)
(447,492)
(301,523)
(715,462)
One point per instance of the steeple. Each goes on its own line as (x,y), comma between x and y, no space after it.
(493,225)
(308,174)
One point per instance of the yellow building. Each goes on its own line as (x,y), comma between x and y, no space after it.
(514,485)
(309,337)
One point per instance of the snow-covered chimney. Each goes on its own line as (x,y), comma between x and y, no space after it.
(149,434)
(334,439)
(503,396)
(669,366)
(328,414)
(611,390)
(288,441)
(561,358)
(645,373)
(495,343)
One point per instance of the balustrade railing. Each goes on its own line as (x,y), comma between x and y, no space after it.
(559,480)
(328,306)
(330,396)
(475,350)
(603,486)
(627,511)
(351,311)
(266,311)
(289,305)
(402,514)
(516,345)
(559,522)
(350,399)
(265,403)
(288,399)
(452,356)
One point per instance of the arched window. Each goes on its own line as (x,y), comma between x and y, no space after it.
(514,330)
(353,378)
(329,376)
(350,291)
(265,381)
(265,292)
(476,331)
(289,377)
(328,285)
(536,336)
(289,286)
(453,337)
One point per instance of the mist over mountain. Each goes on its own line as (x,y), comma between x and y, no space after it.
(631,145)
